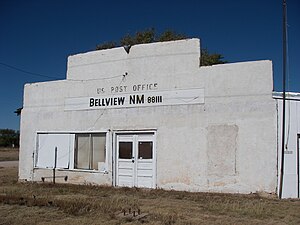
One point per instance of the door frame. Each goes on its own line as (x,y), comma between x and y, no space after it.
(114,153)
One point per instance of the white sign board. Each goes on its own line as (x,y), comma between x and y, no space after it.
(153,98)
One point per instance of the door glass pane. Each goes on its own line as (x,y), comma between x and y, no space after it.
(125,150)
(145,150)
(83,151)
(98,141)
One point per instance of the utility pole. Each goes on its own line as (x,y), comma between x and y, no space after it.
(283,98)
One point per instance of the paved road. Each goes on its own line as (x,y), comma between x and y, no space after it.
(9,164)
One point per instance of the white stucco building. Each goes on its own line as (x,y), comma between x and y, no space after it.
(153,118)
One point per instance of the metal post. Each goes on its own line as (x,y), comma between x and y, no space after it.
(55,160)
(298,166)
(283,100)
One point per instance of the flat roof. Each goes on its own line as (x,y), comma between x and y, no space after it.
(288,95)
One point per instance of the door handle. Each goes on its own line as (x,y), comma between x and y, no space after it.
(132,160)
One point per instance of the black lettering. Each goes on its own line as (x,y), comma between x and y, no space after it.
(140,99)
(91,102)
(132,99)
(121,100)
(100,90)
(155,99)
(115,101)
(134,87)
(96,102)
(107,101)
(158,99)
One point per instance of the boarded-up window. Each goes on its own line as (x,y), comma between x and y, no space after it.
(45,153)
(222,145)
(89,151)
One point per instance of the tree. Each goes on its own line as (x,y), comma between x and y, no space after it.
(170,35)
(106,45)
(9,138)
(208,59)
(143,37)
(150,36)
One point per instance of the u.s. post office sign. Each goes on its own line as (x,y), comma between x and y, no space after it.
(126,100)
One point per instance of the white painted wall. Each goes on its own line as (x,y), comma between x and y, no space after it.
(192,149)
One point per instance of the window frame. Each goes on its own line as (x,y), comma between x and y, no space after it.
(90,151)
(104,168)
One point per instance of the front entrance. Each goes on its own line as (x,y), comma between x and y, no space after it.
(135,164)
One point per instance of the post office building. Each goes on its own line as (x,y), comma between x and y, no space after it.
(149,116)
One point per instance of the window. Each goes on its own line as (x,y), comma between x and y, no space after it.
(145,150)
(89,150)
(125,150)
(73,151)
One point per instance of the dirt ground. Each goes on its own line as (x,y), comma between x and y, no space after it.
(46,204)
(9,154)
(9,163)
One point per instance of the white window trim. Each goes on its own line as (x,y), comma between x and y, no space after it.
(71,165)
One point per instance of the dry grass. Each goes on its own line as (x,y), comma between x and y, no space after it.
(9,154)
(33,203)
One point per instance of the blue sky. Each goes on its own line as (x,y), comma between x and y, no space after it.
(38,36)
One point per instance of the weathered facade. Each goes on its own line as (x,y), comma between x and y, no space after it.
(153,118)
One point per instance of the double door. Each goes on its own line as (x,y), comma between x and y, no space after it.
(135,164)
